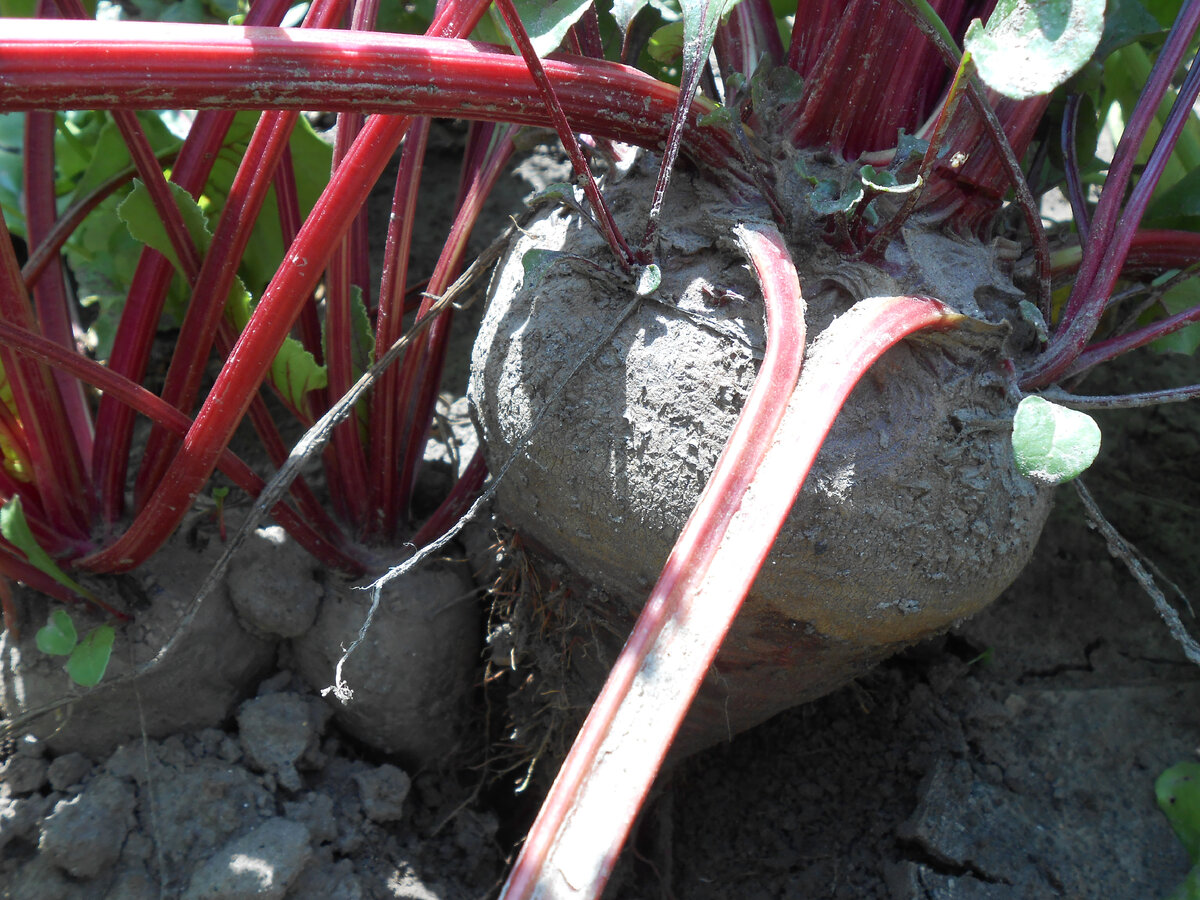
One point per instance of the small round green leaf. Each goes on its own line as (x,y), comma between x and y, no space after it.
(57,637)
(1052,443)
(536,263)
(648,280)
(89,660)
(1030,47)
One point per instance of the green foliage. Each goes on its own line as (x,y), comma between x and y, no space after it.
(200,11)
(58,636)
(1051,443)
(1178,793)
(536,264)
(16,531)
(87,663)
(828,198)
(1027,49)
(294,371)
(406,18)
(648,281)
(101,254)
(87,660)
(1180,297)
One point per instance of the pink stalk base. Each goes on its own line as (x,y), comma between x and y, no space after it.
(162,413)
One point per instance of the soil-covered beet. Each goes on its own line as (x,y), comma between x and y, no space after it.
(912,518)
(1014,759)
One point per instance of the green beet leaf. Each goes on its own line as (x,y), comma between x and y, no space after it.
(625,10)
(57,637)
(1178,793)
(548,23)
(89,660)
(294,371)
(16,531)
(1030,48)
(648,280)
(1051,443)
(536,263)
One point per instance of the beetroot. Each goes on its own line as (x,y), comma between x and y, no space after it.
(913,517)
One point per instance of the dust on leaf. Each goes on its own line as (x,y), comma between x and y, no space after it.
(1030,48)
(1052,443)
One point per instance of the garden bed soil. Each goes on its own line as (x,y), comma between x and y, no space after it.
(1013,758)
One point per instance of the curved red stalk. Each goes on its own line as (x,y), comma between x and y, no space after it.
(868,73)
(586,33)
(969,194)
(1114,223)
(212,279)
(549,852)
(48,248)
(625,738)
(566,134)
(421,369)
(1113,347)
(1156,249)
(49,290)
(1152,251)
(748,38)
(140,317)
(85,66)
(346,458)
(277,310)
(210,283)
(146,164)
(1074,184)
(385,462)
(1004,152)
(55,469)
(14,567)
(32,345)
(456,503)
(147,293)
(287,202)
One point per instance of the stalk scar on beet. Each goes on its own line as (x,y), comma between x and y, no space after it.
(860,195)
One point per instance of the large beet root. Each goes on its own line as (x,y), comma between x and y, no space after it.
(912,518)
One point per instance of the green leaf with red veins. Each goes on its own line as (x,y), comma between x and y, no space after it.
(16,531)
(1027,49)
(294,371)
(1051,443)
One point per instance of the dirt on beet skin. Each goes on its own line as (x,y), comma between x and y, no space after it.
(1012,759)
